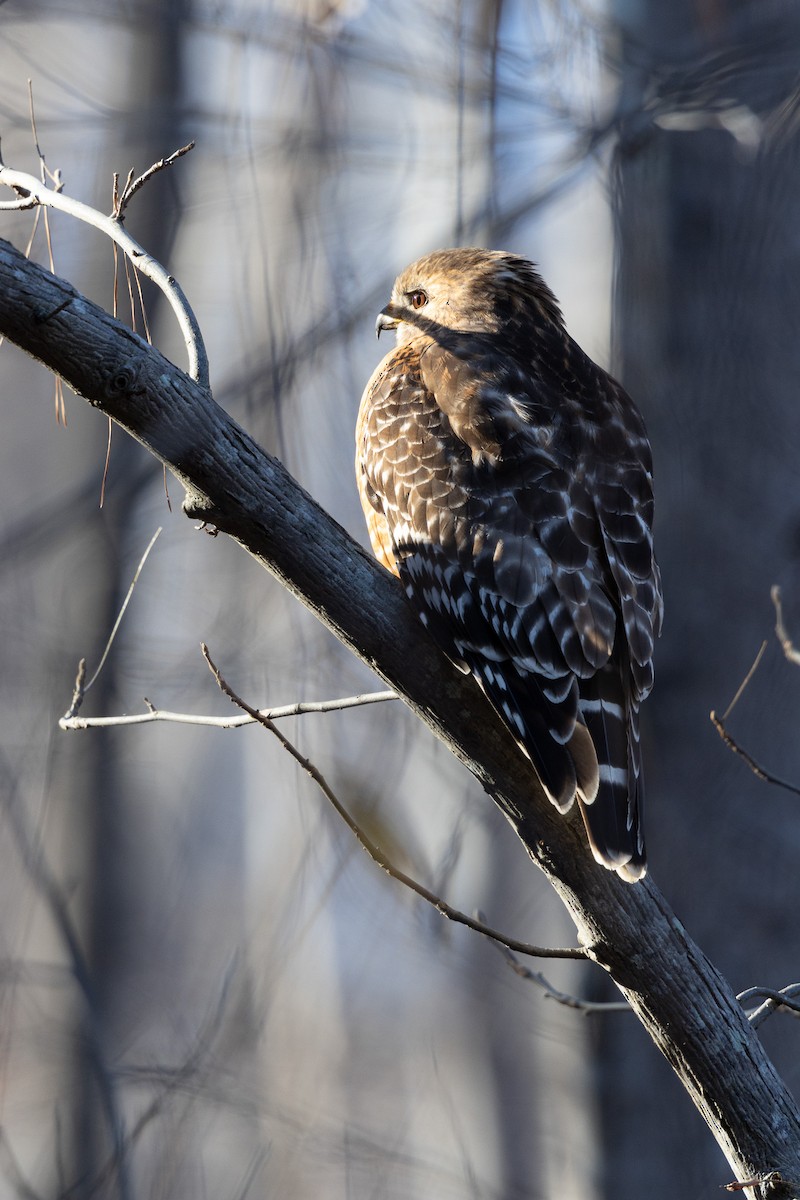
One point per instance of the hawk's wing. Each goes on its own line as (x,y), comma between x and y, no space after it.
(511,526)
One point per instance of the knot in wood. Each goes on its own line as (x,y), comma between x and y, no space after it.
(123,379)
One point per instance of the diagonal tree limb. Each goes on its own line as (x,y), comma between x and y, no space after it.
(687,1007)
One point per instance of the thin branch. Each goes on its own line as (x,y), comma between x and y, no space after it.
(31,192)
(107,461)
(44,171)
(745,681)
(769,1181)
(375,853)
(787,645)
(719,722)
(297,709)
(773,1001)
(132,185)
(125,604)
(71,720)
(145,323)
(757,770)
(553,993)
(81,688)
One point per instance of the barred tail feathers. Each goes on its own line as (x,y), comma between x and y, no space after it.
(613,816)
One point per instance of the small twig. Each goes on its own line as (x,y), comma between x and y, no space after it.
(82,688)
(553,993)
(31,192)
(125,604)
(129,272)
(745,681)
(375,853)
(132,185)
(106,463)
(298,709)
(787,645)
(757,770)
(142,309)
(44,171)
(773,1001)
(719,722)
(772,1178)
(77,695)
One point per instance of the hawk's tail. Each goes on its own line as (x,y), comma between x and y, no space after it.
(613,816)
(596,757)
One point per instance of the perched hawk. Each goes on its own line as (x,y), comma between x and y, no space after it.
(507,480)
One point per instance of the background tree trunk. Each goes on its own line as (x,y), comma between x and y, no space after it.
(707,207)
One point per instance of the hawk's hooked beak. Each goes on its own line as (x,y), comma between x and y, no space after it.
(385,321)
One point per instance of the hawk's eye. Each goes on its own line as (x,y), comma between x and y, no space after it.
(418,299)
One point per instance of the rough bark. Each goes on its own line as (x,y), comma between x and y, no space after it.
(235,487)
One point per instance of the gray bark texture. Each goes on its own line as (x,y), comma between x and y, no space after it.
(234,487)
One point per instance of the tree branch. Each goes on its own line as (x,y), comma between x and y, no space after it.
(787,645)
(32,193)
(686,1006)
(70,721)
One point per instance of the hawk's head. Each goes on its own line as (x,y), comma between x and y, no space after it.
(468,291)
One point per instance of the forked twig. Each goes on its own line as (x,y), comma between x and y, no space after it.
(773,1001)
(132,186)
(553,993)
(81,688)
(759,771)
(31,192)
(719,722)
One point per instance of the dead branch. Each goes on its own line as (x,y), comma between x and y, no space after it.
(31,193)
(298,709)
(759,771)
(719,722)
(787,645)
(773,1002)
(122,199)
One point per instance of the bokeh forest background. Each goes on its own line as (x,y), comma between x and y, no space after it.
(197,963)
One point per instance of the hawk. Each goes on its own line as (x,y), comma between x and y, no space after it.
(507,480)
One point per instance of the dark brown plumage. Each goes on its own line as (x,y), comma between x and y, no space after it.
(507,480)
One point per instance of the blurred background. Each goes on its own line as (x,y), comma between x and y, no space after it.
(207,989)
